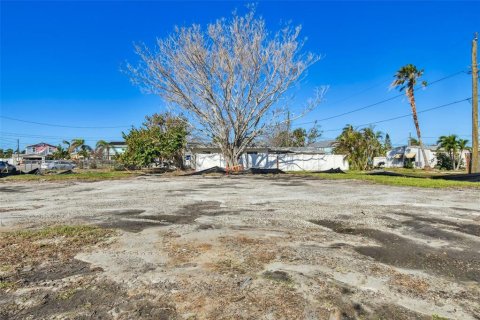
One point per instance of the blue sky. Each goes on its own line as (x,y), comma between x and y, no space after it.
(61,62)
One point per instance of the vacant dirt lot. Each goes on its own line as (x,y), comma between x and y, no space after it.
(249,247)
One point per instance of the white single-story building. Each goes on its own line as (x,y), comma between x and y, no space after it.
(286,159)
(397,157)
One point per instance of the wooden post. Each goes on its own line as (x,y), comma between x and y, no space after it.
(474,167)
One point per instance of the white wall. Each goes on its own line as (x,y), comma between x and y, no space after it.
(378,160)
(9,160)
(204,161)
(285,162)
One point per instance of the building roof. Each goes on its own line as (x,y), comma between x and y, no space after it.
(117,143)
(310,150)
(402,149)
(41,144)
(322,144)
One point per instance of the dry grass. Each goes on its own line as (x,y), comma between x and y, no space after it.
(227,266)
(229,285)
(223,298)
(251,253)
(32,247)
(409,283)
(184,252)
(76,176)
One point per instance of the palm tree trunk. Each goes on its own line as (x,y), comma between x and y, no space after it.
(411,97)
(459,159)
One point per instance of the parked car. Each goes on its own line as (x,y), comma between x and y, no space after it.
(57,165)
(6,167)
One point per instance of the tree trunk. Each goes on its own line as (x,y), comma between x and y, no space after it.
(231,156)
(411,97)
(459,159)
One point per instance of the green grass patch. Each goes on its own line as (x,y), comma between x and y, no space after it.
(79,232)
(4,285)
(421,182)
(67,294)
(84,176)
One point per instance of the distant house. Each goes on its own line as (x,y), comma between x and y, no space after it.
(77,155)
(325,146)
(116,148)
(36,153)
(398,157)
(41,149)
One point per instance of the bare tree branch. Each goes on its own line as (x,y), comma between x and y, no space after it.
(229,77)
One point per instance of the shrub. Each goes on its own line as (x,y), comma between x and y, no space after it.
(444,162)
(408,164)
(118,167)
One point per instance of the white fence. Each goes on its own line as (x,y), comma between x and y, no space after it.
(285,162)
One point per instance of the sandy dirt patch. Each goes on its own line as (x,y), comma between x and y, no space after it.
(240,247)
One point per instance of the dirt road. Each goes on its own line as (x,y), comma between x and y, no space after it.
(246,247)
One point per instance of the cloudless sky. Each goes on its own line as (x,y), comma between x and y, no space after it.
(61,63)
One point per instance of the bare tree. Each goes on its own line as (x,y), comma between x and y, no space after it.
(230,78)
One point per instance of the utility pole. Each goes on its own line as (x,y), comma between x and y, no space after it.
(474,167)
(288,128)
(18,151)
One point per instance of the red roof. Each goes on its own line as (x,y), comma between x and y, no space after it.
(41,144)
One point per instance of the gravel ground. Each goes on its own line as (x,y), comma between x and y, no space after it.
(251,247)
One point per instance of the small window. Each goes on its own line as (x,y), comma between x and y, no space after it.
(252,152)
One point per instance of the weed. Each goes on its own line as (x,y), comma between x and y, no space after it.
(6,285)
(67,294)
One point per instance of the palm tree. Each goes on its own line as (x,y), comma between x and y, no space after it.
(405,80)
(85,151)
(67,143)
(449,144)
(76,144)
(103,145)
(413,142)
(359,146)
(60,153)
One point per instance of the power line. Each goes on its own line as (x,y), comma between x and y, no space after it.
(60,125)
(402,116)
(376,103)
(328,118)
(356,94)
(23,135)
(408,115)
